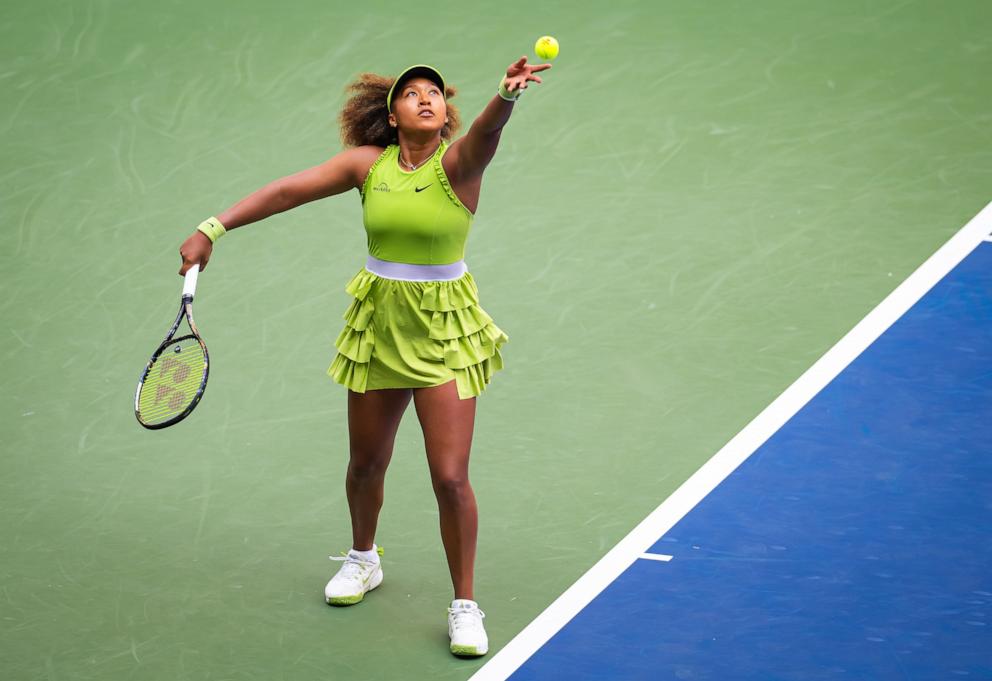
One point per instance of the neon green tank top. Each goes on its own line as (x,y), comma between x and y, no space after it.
(413,217)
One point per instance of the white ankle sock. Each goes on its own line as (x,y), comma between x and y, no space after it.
(371,554)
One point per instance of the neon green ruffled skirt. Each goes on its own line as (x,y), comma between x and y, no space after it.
(416,334)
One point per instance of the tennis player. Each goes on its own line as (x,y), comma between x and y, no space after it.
(414,328)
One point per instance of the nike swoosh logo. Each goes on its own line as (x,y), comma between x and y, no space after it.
(368,580)
(420,189)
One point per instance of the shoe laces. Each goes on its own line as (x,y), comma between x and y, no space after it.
(355,566)
(462,618)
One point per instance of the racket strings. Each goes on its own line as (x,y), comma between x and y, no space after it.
(173,381)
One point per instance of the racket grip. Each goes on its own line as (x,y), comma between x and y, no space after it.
(189,284)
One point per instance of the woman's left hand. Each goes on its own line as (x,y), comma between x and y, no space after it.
(520,72)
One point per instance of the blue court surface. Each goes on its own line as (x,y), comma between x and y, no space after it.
(851,542)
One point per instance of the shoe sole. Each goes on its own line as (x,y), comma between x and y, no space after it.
(357,598)
(472,651)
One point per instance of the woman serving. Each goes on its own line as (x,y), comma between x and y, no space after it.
(414,328)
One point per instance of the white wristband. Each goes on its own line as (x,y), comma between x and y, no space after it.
(506,94)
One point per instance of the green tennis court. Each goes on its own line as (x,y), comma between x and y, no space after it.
(699,201)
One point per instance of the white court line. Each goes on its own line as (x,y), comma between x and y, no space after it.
(656,556)
(735,452)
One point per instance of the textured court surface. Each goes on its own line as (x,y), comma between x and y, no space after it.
(853,544)
(700,200)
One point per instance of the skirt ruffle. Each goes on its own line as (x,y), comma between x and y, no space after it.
(468,340)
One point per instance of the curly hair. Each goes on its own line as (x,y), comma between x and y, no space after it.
(365,118)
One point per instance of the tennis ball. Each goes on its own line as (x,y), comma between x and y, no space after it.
(546,47)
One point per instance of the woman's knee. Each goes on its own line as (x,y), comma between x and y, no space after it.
(452,488)
(364,468)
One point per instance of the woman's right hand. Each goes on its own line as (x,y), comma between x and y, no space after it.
(196,249)
(519,72)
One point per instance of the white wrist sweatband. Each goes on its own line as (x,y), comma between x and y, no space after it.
(506,94)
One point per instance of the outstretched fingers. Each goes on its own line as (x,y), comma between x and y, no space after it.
(519,73)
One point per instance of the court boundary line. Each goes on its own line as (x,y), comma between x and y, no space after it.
(639,540)
(664,558)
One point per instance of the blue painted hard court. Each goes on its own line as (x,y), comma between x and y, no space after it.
(853,544)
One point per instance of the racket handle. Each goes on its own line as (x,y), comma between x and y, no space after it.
(189,285)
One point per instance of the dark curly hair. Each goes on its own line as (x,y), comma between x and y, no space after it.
(365,118)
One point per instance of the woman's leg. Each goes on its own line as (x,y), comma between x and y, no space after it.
(448,423)
(373,419)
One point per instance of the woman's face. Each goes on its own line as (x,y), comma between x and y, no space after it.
(419,105)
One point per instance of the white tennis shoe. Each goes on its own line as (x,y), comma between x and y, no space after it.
(468,636)
(356,577)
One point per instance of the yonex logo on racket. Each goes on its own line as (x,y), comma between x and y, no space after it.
(179,375)
(177,399)
(180,372)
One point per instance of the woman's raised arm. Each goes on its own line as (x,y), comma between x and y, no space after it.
(476,149)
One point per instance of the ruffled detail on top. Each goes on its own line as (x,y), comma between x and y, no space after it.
(468,339)
(375,164)
(442,178)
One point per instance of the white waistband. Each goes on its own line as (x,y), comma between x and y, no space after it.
(410,272)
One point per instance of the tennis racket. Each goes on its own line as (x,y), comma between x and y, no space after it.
(173,382)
